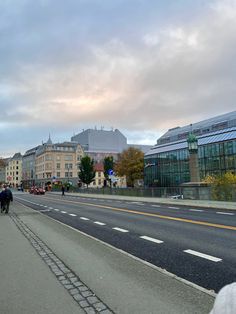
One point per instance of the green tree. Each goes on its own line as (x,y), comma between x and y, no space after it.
(131,165)
(87,172)
(108,164)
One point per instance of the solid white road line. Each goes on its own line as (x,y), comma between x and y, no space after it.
(99,223)
(63,212)
(73,215)
(209,257)
(151,239)
(224,213)
(121,230)
(155,205)
(196,210)
(84,218)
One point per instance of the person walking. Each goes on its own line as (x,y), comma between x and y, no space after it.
(2,199)
(8,198)
(63,190)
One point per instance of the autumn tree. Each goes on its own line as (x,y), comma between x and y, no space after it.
(87,172)
(131,165)
(223,186)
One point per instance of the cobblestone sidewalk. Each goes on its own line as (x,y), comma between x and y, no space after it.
(85,298)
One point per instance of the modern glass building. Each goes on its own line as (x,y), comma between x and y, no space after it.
(167,163)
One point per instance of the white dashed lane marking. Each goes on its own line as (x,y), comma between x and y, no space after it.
(151,239)
(119,229)
(99,223)
(196,210)
(172,207)
(84,218)
(206,256)
(224,213)
(57,210)
(63,212)
(136,203)
(73,215)
(155,205)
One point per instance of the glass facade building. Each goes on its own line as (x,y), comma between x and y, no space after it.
(167,163)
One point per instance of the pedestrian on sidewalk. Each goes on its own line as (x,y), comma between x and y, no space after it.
(63,190)
(8,198)
(2,199)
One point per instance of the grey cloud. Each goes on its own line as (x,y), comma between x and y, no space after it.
(83,63)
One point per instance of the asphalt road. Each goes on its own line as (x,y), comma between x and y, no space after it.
(196,244)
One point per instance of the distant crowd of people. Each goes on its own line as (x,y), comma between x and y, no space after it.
(5,198)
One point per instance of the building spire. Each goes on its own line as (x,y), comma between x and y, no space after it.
(49,141)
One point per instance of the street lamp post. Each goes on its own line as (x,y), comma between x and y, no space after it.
(193,158)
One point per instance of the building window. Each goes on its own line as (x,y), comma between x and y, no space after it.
(68,157)
(58,174)
(58,166)
(48,157)
(68,166)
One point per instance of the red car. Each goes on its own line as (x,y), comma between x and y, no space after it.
(36,190)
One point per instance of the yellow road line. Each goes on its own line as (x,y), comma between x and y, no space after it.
(196,222)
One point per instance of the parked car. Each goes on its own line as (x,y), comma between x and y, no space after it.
(36,190)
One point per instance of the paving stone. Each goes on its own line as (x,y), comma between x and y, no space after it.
(73,279)
(54,267)
(89,310)
(78,297)
(92,300)
(70,275)
(100,306)
(106,312)
(78,283)
(58,273)
(87,293)
(65,282)
(62,278)
(82,288)
(68,287)
(59,264)
(74,291)
(83,304)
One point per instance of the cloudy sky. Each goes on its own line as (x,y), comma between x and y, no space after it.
(142,66)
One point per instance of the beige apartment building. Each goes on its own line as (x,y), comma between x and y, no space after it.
(57,162)
(13,171)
